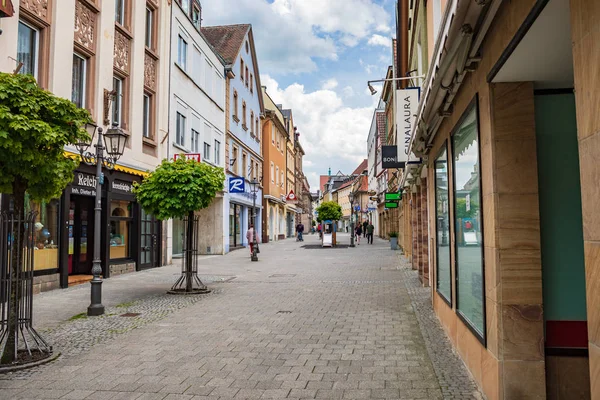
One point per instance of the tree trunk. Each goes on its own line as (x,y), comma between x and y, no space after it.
(16,253)
(189,246)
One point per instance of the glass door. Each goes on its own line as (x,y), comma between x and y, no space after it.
(148,241)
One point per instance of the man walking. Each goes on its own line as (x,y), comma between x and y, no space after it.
(370,229)
(364,228)
(250,235)
(300,231)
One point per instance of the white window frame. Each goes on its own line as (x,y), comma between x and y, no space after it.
(182,46)
(206,151)
(84,80)
(36,46)
(217,152)
(117,103)
(147,110)
(185,6)
(180,133)
(149,26)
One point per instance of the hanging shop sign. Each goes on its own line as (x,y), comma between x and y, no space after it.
(237,185)
(391,204)
(389,157)
(84,184)
(407,105)
(188,156)
(394,196)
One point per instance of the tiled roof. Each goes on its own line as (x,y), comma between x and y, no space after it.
(323,179)
(226,39)
(364,165)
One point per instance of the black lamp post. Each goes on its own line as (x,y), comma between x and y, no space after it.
(254,186)
(106,155)
(351,198)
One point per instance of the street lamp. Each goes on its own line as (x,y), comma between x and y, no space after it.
(351,198)
(254,186)
(114,144)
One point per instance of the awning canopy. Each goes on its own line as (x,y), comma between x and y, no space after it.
(6,8)
(122,168)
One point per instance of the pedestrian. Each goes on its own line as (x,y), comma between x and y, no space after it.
(319,229)
(364,228)
(251,236)
(358,232)
(370,229)
(300,231)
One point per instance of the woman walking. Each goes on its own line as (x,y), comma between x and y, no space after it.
(358,232)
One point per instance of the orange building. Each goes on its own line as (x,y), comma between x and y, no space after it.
(275,137)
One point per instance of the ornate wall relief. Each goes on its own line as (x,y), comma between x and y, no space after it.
(37,7)
(122,50)
(85,26)
(150,72)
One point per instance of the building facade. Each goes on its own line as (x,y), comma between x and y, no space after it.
(243,111)
(292,212)
(509,137)
(110,58)
(197,118)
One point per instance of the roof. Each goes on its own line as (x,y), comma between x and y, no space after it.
(323,179)
(226,39)
(364,165)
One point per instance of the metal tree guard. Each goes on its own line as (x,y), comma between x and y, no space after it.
(188,282)
(16,290)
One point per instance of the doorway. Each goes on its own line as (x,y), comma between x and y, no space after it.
(80,238)
(149,234)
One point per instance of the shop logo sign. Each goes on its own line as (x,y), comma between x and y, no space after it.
(86,180)
(121,186)
(237,185)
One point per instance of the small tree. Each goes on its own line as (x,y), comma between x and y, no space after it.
(329,210)
(178,188)
(35,126)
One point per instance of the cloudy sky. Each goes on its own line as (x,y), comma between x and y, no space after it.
(315,57)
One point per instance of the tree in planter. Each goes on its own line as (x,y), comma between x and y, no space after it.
(35,126)
(175,190)
(329,210)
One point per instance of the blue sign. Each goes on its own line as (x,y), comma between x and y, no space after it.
(237,185)
(357,208)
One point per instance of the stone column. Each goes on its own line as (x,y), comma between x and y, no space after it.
(585,35)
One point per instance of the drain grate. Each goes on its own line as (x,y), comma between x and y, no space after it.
(130,314)
(284,312)
(282,276)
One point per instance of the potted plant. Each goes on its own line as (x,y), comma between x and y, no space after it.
(393,240)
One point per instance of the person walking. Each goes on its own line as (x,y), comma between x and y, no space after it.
(364,228)
(250,235)
(358,232)
(370,229)
(319,229)
(300,231)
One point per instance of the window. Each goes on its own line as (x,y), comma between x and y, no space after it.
(182,52)
(443,274)
(208,78)
(217,152)
(251,84)
(117,103)
(79,80)
(244,165)
(242,70)
(180,130)
(235,158)
(147,122)
(247,77)
(278,141)
(272,132)
(27,49)
(272,173)
(251,124)
(467,222)
(185,5)
(282,180)
(257,130)
(121,219)
(120,12)
(196,16)
(437,17)
(244,115)
(195,141)
(206,151)
(277,176)
(149,27)
(235,106)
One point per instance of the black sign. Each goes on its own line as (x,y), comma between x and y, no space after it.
(121,186)
(84,184)
(389,157)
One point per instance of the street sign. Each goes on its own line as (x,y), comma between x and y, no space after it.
(237,185)
(188,156)
(391,204)
(357,207)
(291,196)
(393,196)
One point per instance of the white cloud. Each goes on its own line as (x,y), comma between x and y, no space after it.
(330,84)
(329,130)
(378,40)
(348,91)
(291,35)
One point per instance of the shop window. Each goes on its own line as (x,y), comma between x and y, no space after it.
(120,229)
(468,223)
(443,274)
(45,233)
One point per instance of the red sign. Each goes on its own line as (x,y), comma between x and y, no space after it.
(188,156)
(6,8)
(291,196)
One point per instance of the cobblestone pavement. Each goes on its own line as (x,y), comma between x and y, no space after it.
(300,323)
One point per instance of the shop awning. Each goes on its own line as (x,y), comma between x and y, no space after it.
(121,168)
(6,8)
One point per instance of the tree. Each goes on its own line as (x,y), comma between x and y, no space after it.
(329,210)
(35,126)
(178,188)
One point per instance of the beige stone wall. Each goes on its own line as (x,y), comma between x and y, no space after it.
(585,34)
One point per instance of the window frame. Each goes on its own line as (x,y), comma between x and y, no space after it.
(123,7)
(217,152)
(147,116)
(251,123)
(482,337)
(180,134)
(129,221)
(149,28)
(448,299)
(235,106)
(272,172)
(117,103)
(36,46)
(197,22)
(244,115)
(84,81)
(242,69)
(206,151)
(182,44)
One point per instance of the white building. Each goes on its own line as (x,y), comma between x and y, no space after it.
(112,58)
(197,117)
(244,110)
(374,143)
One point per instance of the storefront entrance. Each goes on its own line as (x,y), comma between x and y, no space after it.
(235,225)
(149,245)
(80,238)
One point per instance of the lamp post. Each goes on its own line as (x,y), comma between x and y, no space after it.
(351,198)
(114,145)
(254,185)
